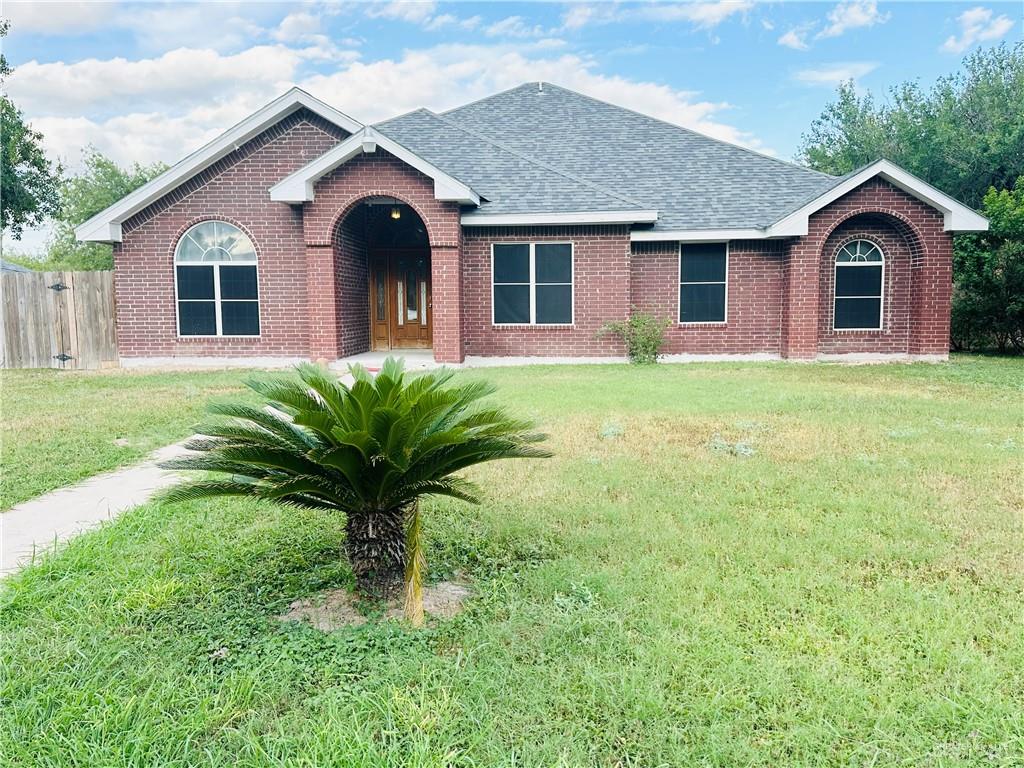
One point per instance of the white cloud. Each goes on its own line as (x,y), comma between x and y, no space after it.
(705,15)
(796,38)
(32,16)
(834,74)
(702,15)
(853,14)
(403,10)
(168,83)
(977,25)
(297,26)
(513,26)
(449,20)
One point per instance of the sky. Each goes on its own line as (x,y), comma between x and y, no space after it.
(148,81)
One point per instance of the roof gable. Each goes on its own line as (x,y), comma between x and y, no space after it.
(106,225)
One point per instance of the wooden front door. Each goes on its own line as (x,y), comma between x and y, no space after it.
(400,310)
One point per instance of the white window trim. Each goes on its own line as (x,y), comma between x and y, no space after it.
(680,284)
(881,288)
(217,300)
(532,285)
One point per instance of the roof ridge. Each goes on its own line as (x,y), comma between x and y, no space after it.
(534,161)
(658,120)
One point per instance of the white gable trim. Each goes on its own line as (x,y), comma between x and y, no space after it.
(957,217)
(299,186)
(538,219)
(105,227)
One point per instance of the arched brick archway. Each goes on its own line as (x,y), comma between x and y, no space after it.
(338,194)
(919,251)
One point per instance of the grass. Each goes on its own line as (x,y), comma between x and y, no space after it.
(59,427)
(724,565)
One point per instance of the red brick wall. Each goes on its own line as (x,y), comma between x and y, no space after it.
(234,190)
(917,315)
(754,303)
(601,275)
(351,273)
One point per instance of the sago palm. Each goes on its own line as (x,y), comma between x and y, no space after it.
(370,450)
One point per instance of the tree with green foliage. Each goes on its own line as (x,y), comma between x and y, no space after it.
(101,183)
(964,135)
(988,300)
(370,451)
(29,182)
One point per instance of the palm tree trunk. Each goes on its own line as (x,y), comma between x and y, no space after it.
(375,545)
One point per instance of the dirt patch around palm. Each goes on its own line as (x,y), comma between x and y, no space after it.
(336,609)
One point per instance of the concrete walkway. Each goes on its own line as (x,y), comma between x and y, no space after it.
(36,525)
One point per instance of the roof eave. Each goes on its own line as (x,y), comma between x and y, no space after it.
(105,227)
(566,218)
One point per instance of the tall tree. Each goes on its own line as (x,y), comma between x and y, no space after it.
(101,183)
(29,182)
(964,135)
(988,303)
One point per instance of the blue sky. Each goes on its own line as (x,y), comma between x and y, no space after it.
(153,81)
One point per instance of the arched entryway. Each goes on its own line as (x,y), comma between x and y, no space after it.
(389,241)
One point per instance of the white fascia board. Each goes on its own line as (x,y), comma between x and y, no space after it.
(546,219)
(299,186)
(106,225)
(697,235)
(956,216)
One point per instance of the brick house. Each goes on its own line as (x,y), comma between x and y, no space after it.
(517,226)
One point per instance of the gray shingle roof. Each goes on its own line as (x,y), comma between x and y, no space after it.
(509,181)
(529,150)
(9,266)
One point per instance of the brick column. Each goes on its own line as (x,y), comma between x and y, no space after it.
(321,303)
(446,301)
(801,299)
(931,290)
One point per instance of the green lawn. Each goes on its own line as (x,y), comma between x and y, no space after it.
(725,565)
(59,427)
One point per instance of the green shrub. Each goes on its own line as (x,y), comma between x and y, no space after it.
(643,334)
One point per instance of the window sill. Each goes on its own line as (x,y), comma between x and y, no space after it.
(859,330)
(215,338)
(515,326)
(702,322)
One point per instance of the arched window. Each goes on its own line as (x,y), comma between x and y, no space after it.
(858,294)
(215,276)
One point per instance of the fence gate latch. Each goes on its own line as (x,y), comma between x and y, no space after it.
(58,287)
(63,357)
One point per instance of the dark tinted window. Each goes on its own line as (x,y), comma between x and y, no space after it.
(858,313)
(702,263)
(240,318)
(554,304)
(511,303)
(195,282)
(859,281)
(197,318)
(512,263)
(554,263)
(237,282)
(702,303)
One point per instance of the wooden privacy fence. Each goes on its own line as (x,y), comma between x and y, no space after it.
(58,320)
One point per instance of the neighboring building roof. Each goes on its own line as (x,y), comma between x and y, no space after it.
(105,226)
(7,266)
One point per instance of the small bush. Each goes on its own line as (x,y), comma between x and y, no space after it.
(643,335)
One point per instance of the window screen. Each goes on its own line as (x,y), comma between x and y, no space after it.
(702,282)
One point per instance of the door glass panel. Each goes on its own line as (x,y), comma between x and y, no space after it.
(399,291)
(380,278)
(423,302)
(410,293)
